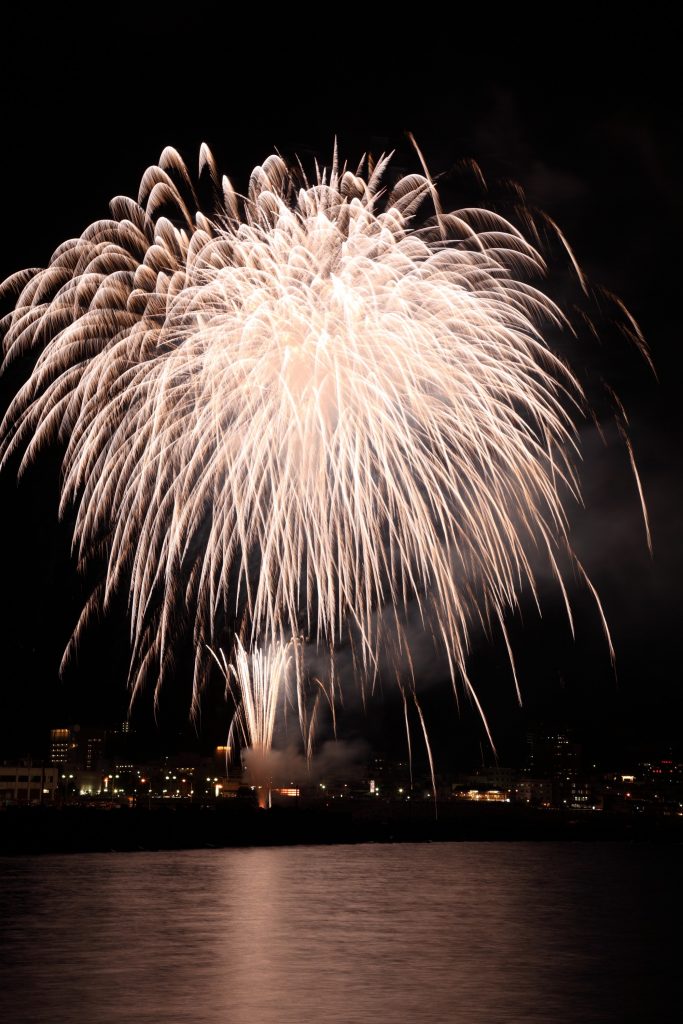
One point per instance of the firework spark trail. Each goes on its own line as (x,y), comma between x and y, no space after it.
(258,684)
(262,683)
(296,409)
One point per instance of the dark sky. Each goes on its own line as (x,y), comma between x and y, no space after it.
(594,142)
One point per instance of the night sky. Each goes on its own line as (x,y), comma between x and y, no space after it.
(592,140)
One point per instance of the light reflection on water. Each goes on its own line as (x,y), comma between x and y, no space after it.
(458,933)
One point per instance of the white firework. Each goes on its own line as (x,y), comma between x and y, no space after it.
(301,412)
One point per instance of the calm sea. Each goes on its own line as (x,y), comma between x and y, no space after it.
(453,933)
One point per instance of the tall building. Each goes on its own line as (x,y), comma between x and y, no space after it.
(552,754)
(77,748)
(120,746)
(63,746)
(91,749)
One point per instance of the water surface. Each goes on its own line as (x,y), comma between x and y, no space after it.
(466,933)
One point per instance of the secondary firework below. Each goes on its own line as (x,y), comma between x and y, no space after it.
(300,420)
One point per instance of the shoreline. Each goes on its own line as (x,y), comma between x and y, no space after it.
(30,831)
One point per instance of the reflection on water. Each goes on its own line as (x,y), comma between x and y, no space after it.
(456,933)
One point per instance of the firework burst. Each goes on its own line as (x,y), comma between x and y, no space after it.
(298,413)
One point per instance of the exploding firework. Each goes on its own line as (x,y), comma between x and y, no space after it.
(299,413)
